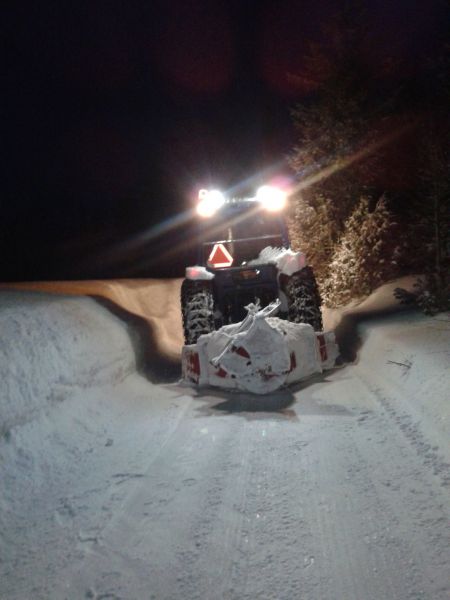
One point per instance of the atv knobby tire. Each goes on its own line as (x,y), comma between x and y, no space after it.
(304,299)
(197,308)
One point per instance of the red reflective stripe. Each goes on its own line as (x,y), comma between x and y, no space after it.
(241,351)
(191,366)
(293,362)
(322,347)
(194,362)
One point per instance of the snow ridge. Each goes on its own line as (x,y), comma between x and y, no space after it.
(50,347)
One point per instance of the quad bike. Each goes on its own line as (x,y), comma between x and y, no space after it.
(245,258)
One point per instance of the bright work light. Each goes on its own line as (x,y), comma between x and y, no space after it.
(210,202)
(272,198)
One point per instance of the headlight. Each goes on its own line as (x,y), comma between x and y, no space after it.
(273,199)
(210,202)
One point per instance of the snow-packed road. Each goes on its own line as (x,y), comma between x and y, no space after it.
(117,487)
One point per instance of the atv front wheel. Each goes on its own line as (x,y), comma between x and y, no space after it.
(197,308)
(304,299)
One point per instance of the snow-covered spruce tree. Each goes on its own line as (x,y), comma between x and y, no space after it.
(334,128)
(313,233)
(341,284)
(366,255)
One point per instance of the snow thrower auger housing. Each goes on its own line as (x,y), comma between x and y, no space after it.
(260,354)
(245,258)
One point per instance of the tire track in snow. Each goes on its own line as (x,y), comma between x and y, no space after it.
(113,498)
(217,527)
(352,524)
(411,478)
(430,452)
(166,511)
(245,506)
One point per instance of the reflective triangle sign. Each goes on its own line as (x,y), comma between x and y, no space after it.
(220,257)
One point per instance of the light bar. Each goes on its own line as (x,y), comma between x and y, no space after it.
(273,199)
(210,202)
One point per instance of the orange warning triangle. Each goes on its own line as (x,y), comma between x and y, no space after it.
(220,257)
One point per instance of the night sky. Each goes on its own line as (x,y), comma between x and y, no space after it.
(115,113)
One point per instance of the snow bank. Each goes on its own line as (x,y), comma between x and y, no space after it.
(381,301)
(50,346)
(408,356)
(405,353)
(156,301)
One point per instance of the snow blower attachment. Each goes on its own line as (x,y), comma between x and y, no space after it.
(245,264)
(260,354)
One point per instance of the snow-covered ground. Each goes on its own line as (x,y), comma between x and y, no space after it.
(118,482)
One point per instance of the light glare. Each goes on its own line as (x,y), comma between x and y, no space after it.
(273,199)
(210,202)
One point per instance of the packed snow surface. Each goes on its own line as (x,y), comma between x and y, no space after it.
(116,486)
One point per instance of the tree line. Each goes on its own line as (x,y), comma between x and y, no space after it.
(372,165)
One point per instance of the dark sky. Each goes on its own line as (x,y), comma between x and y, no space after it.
(116,112)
